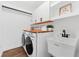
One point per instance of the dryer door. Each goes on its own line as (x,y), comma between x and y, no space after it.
(29,45)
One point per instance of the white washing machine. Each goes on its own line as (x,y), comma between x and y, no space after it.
(35,44)
(28,43)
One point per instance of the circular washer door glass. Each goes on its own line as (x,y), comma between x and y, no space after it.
(29,47)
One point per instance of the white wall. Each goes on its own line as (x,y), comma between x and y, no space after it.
(70,24)
(12,24)
(29,6)
(41,12)
(55,9)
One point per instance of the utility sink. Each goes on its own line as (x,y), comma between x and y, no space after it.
(60,48)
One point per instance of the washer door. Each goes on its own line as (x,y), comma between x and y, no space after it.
(29,45)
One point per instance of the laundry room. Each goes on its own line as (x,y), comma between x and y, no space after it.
(17,18)
(39,28)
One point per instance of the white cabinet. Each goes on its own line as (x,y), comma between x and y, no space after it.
(59,49)
(42,45)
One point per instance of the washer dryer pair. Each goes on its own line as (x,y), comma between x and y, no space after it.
(28,43)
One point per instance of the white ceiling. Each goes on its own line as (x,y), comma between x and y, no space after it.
(25,5)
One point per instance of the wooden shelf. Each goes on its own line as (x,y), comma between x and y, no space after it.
(45,22)
(38,31)
(39,23)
